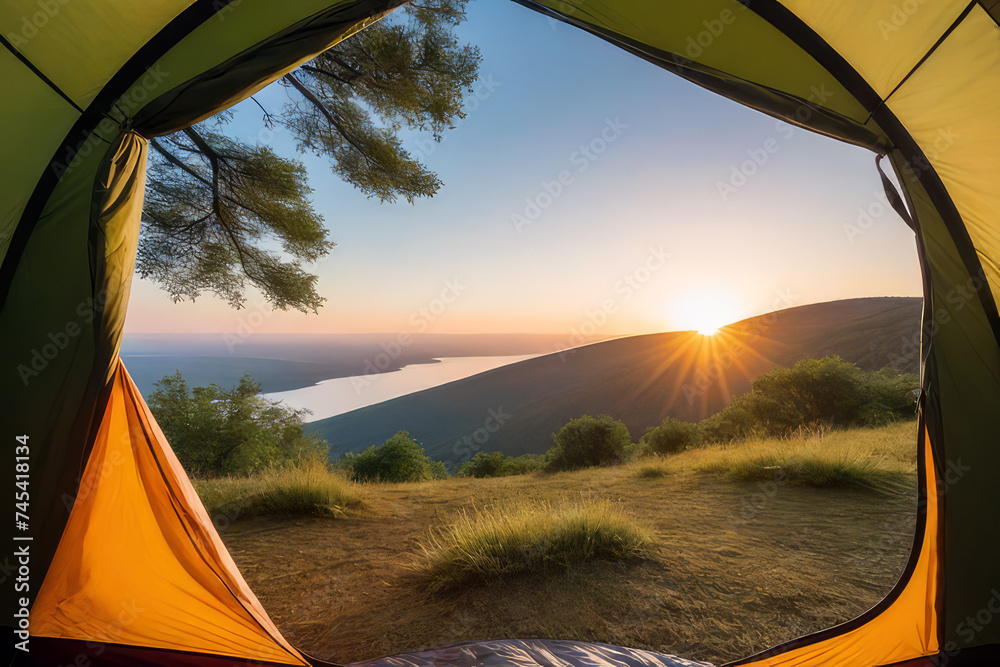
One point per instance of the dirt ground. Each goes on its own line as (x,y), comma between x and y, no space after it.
(737,567)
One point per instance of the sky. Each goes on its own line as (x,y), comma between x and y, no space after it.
(586,190)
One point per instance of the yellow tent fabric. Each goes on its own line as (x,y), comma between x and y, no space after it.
(140,549)
(905,630)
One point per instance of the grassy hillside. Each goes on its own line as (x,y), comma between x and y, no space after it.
(639,380)
(741,550)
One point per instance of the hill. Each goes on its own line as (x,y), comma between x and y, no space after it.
(639,380)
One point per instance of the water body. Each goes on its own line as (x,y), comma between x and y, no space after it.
(339,395)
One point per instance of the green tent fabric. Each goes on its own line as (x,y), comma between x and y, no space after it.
(87,83)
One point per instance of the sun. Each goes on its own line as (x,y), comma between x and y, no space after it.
(704,311)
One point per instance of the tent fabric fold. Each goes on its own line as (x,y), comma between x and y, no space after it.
(140,549)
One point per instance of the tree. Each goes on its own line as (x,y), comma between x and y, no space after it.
(670,437)
(216,431)
(216,207)
(398,459)
(589,441)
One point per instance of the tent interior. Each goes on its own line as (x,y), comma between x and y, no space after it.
(119,538)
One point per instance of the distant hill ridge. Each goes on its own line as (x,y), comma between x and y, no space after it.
(639,379)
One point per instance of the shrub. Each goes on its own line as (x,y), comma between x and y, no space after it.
(588,441)
(308,489)
(482,546)
(498,464)
(815,392)
(672,436)
(398,459)
(218,431)
(812,391)
(893,396)
(735,422)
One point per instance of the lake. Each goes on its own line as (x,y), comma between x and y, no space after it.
(339,395)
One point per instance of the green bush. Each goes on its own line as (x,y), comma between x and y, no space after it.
(672,436)
(588,441)
(217,431)
(893,396)
(815,393)
(398,459)
(498,464)
(811,392)
(736,422)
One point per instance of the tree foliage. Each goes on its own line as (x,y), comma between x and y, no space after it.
(217,431)
(213,205)
(589,441)
(398,459)
(735,422)
(498,464)
(222,215)
(815,393)
(670,437)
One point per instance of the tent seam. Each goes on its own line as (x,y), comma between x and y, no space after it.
(39,73)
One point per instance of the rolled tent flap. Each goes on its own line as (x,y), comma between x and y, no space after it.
(140,562)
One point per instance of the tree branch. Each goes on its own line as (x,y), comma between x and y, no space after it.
(326,72)
(309,95)
(213,160)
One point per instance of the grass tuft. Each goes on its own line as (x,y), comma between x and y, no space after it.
(652,469)
(504,540)
(881,459)
(308,490)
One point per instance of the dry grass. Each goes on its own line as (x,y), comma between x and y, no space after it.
(732,567)
(483,545)
(309,490)
(880,459)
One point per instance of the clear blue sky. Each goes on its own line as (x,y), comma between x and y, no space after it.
(788,235)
